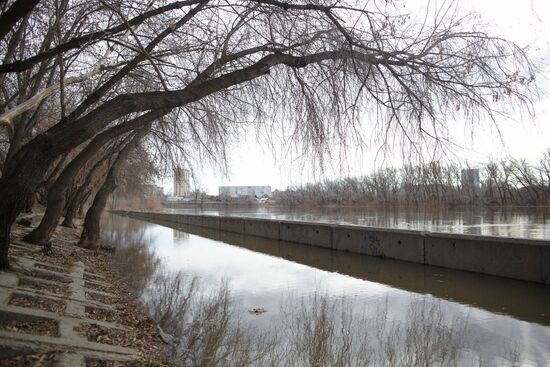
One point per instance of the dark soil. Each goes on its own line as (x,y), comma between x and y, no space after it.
(143,334)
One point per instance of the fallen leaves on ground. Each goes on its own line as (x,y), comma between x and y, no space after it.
(102,314)
(143,336)
(44,275)
(35,327)
(59,289)
(98,287)
(47,359)
(46,304)
(100,298)
(58,269)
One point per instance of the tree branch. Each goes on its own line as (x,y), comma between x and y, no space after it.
(78,42)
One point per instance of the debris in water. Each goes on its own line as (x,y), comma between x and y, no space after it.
(257,311)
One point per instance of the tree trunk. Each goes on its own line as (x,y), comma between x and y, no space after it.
(80,194)
(90,233)
(56,202)
(57,195)
(70,213)
(90,238)
(5,225)
(14,203)
(30,203)
(17,185)
(82,205)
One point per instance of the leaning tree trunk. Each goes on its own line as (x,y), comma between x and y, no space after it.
(82,204)
(80,194)
(14,198)
(6,221)
(57,195)
(30,203)
(90,233)
(19,181)
(70,213)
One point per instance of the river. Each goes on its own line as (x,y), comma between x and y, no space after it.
(391,304)
(522,222)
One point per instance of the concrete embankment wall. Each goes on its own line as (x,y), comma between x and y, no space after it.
(522,259)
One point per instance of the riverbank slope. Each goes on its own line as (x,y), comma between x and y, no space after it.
(65,306)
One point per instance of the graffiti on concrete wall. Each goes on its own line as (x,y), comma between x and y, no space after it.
(371,245)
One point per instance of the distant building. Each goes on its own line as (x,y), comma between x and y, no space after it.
(181,182)
(469,178)
(236,191)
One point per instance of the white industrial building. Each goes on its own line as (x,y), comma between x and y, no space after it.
(236,191)
(181,182)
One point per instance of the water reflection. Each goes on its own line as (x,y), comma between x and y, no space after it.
(271,274)
(180,237)
(135,258)
(526,222)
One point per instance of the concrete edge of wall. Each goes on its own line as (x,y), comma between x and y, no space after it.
(517,258)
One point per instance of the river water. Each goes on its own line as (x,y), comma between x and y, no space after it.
(491,320)
(523,222)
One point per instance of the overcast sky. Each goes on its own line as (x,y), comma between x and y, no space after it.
(526,22)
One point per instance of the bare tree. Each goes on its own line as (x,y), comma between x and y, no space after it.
(310,65)
(510,182)
(90,233)
(76,199)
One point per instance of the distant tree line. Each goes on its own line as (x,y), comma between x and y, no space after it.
(506,182)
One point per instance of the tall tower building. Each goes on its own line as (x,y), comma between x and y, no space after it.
(181,182)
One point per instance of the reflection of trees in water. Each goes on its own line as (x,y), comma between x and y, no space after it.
(316,331)
(136,262)
(180,237)
(204,328)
